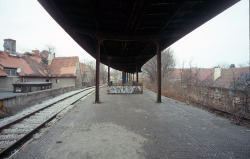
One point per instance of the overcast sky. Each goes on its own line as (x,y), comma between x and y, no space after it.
(224,39)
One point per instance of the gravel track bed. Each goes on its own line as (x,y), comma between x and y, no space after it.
(11,136)
(36,107)
(7,142)
(29,124)
(16,130)
(20,125)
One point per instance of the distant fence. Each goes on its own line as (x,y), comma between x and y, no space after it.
(27,97)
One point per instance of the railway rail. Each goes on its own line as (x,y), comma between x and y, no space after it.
(16,130)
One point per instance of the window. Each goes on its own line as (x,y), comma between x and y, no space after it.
(11,71)
(47,80)
(57,80)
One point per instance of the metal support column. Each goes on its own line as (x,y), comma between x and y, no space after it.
(123,77)
(108,74)
(158,72)
(97,70)
(126,76)
(137,74)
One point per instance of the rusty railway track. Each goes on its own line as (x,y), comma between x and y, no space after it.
(15,133)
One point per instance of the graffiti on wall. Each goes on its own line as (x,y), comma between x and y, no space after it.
(125,89)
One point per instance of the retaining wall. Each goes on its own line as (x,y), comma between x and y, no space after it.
(22,99)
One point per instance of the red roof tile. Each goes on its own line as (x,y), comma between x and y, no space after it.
(176,74)
(229,75)
(205,74)
(29,65)
(37,66)
(2,73)
(63,66)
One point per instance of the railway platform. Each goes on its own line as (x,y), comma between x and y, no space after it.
(135,126)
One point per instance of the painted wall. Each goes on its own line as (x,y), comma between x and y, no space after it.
(62,82)
(34,79)
(6,83)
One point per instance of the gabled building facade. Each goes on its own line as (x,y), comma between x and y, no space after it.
(37,67)
(65,71)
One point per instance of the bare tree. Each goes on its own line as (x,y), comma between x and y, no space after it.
(167,65)
(103,73)
(91,71)
(223,64)
(115,74)
(189,75)
(50,48)
(242,86)
(244,64)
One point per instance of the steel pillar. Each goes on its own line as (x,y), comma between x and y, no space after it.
(158,72)
(126,76)
(123,77)
(108,74)
(137,74)
(97,71)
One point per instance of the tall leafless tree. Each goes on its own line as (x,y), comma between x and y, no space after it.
(167,65)
(50,48)
(115,75)
(103,73)
(189,75)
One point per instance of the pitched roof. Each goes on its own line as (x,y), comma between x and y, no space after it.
(14,62)
(2,73)
(228,76)
(205,74)
(176,74)
(63,66)
(30,65)
(37,66)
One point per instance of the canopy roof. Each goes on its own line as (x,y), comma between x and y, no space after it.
(129,29)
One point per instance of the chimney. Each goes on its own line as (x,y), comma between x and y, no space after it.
(217,73)
(10,46)
(36,52)
(51,56)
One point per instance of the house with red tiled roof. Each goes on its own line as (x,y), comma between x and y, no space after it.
(20,68)
(65,71)
(216,78)
(231,78)
(37,67)
(3,73)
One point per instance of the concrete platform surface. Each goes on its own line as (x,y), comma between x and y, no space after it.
(135,127)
